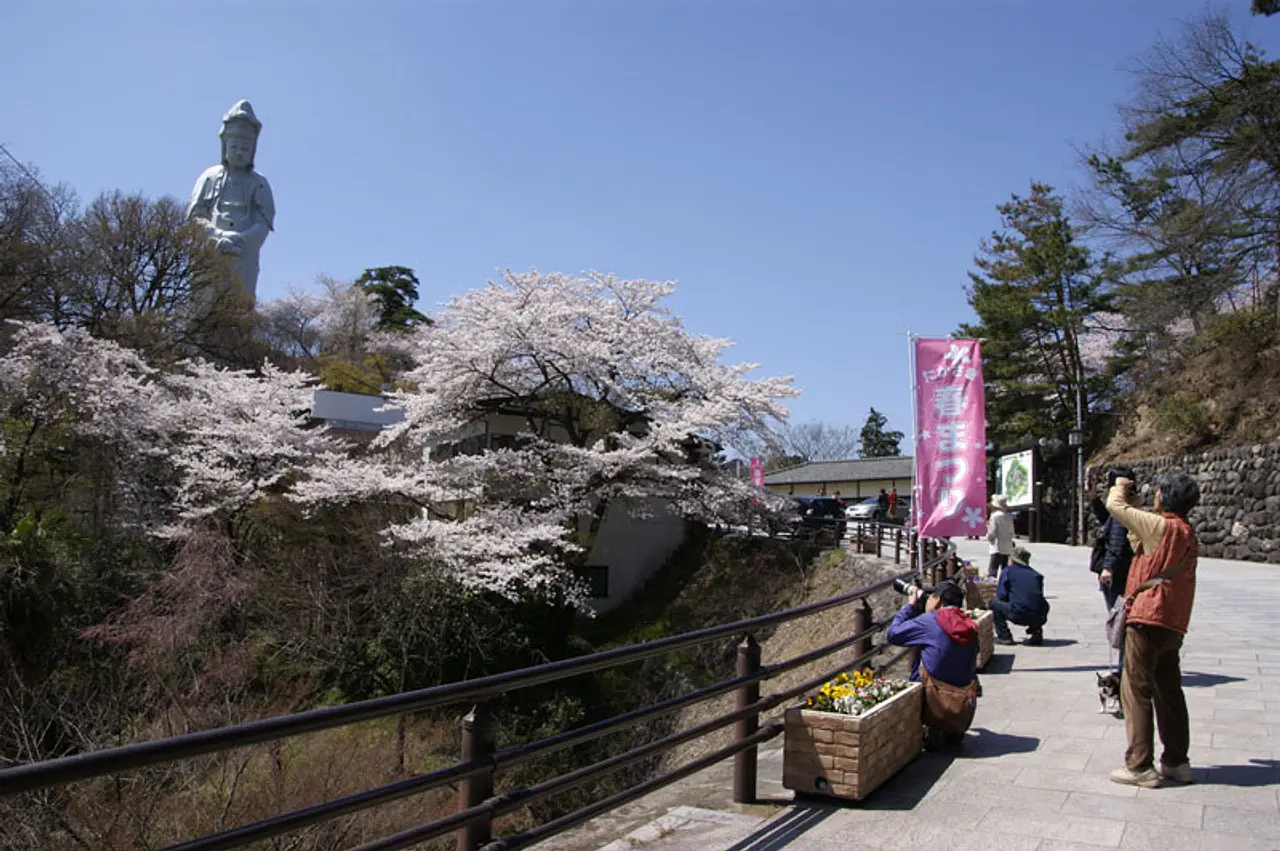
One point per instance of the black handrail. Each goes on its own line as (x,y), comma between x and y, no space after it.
(298,819)
(485,760)
(142,754)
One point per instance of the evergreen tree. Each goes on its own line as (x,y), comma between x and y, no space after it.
(1034,291)
(877,441)
(396,289)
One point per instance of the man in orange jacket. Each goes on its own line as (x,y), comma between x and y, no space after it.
(1161,588)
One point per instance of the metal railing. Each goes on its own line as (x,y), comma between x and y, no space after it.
(481,759)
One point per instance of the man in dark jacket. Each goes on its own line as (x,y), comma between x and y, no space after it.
(1113,569)
(1020,599)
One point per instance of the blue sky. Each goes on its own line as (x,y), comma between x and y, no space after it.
(816,175)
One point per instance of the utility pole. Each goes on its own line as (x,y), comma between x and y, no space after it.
(1076,439)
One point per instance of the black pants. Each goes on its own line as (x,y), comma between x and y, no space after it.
(1002,613)
(998,560)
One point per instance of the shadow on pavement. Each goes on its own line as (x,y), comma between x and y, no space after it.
(1191,679)
(1259,772)
(1058,642)
(779,833)
(1067,669)
(999,663)
(981,743)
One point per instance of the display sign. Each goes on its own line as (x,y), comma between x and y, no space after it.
(1017,478)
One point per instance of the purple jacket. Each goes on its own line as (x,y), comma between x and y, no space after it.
(949,651)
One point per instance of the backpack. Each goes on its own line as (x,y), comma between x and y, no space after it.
(1099,554)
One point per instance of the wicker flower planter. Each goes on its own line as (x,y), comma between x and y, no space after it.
(978,594)
(849,756)
(986,638)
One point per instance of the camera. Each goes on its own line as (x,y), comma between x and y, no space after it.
(1120,473)
(904,587)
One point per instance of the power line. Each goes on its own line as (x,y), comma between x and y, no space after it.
(26,171)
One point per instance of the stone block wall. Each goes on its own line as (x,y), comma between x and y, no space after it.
(1239,512)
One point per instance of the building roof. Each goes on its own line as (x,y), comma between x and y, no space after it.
(852,470)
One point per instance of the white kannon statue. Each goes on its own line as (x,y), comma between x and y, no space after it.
(233,203)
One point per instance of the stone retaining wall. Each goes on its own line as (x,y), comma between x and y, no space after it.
(1239,513)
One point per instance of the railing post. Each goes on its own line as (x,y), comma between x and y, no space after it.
(862,623)
(879,538)
(744,762)
(479,741)
(897,545)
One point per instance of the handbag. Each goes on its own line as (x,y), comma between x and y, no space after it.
(1118,617)
(946,707)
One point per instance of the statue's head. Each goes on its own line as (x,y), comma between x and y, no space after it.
(240,129)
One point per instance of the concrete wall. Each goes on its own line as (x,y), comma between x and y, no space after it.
(353,411)
(850,491)
(635,539)
(1239,513)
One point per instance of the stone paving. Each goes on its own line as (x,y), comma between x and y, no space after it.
(1033,772)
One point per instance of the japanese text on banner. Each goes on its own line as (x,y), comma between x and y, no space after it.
(952,439)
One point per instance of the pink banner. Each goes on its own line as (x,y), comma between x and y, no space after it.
(951,441)
(757,472)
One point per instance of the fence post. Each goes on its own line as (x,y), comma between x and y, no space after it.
(744,762)
(479,741)
(862,623)
(879,537)
(897,545)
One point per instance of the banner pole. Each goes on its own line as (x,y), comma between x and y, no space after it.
(914,512)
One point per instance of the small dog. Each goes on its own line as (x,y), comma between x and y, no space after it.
(1109,692)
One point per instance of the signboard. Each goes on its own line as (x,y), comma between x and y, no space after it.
(951,440)
(1017,478)
(757,472)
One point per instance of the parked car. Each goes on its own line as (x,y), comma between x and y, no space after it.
(869,509)
(815,516)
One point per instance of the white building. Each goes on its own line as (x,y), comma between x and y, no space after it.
(632,542)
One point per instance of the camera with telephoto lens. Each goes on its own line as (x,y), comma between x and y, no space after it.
(904,587)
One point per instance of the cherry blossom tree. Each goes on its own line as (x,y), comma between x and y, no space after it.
(195,444)
(616,402)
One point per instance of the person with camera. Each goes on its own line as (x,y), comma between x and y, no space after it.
(1020,600)
(1159,595)
(934,621)
(1112,553)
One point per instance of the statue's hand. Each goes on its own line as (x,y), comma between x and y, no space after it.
(230,244)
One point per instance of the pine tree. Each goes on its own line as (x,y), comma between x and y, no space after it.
(1034,291)
(877,441)
(396,289)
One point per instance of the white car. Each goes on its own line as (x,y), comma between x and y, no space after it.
(869,509)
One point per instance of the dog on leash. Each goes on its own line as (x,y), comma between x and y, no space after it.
(1109,693)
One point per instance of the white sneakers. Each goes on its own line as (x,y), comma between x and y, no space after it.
(1146,779)
(1176,773)
(1150,778)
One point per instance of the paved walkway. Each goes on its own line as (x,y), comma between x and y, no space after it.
(1033,773)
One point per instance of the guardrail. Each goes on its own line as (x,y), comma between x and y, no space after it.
(481,759)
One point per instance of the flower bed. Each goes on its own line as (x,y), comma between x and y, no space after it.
(852,736)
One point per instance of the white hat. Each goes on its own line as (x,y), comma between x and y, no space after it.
(1000,501)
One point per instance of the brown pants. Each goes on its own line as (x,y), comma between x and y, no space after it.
(1153,679)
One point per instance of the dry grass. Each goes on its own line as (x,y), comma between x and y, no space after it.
(159,807)
(834,573)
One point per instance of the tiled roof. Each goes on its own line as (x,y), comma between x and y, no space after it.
(853,470)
